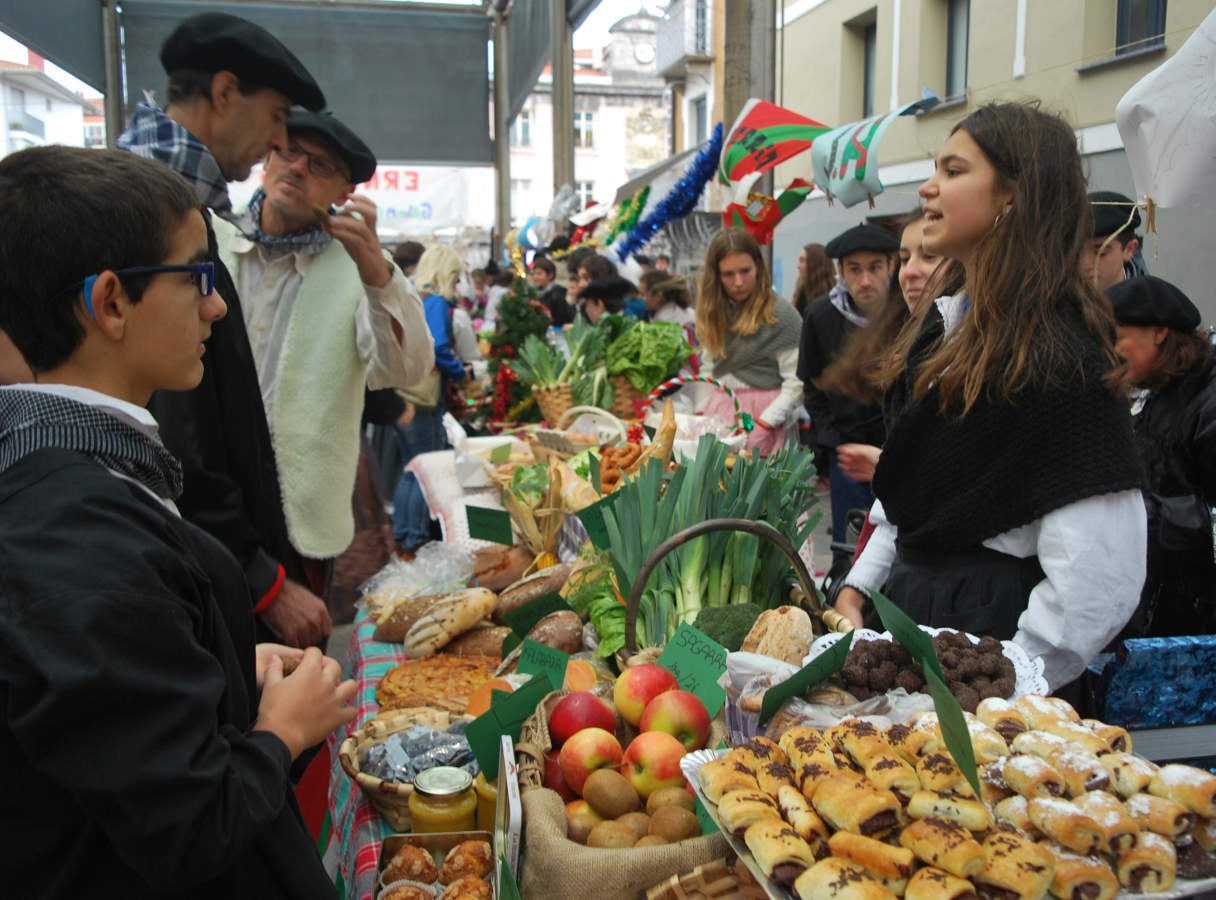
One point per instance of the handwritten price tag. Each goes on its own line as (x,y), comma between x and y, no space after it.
(535,658)
(698,662)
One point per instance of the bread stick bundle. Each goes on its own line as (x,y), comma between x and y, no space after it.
(838,879)
(1192,787)
(1030,776)
(739,810)
(945,844)
(798,815)
(890,866)
(971,814)
(1115,736)
(932,883)
(725,774)
(1080,876)
(779,851)
(1119,830)
(1129,774)
(1015,864)
(1158,815)
(1082,771)
(1065,824)
(847,802)
(1002,717)
(1149,867)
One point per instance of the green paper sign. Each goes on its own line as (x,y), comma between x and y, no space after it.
(500,454)
(698,662)
(949,713)
(708,825)
(507,888)
(524,619)
(506,716)
(592,518)
(535,658)
(821,667)
(487,524)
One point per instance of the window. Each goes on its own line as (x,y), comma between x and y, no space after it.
(701,27)
(958,21)
(869,70)
(584,132)
(521,129)
(586,193)
(94,134)
(700,121)
(1139,25)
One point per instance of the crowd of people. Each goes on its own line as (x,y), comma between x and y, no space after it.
(1026,415)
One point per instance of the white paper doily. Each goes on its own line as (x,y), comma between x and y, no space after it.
(1028,673)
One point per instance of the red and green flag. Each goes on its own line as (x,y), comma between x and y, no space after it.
(764,135)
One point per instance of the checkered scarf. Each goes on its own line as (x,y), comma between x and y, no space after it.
(153,135)
(32,420)
(310,241)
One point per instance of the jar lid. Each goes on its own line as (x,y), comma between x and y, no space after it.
(442,781)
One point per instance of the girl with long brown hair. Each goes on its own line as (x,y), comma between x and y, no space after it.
(749,338)
(816,275)
(667,298)
(1008,489)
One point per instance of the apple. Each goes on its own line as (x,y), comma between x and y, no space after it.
(554,780)
(680,714)
(586,751)
(576,712)
(580,819)
(637,686)
(652,761)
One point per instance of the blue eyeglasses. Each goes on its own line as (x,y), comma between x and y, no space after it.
(204,279)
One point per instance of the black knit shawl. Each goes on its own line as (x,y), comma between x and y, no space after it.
(949,484)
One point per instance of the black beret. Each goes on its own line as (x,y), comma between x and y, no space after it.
(1111,211)
(870,238)
(217,42)
(356,154)
(1150,301)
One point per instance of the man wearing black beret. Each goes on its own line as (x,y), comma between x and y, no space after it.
(865,256)
(328,314)
(231,88)
(1110,255)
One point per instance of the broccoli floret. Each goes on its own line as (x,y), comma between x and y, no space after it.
(728,625)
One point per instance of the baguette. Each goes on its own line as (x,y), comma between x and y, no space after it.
(945,844)
(448,618)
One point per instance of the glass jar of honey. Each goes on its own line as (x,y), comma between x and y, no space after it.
(487,802)
(443,800)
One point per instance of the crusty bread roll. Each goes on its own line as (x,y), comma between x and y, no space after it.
(783,633)
(536,585)
(449,617)
(397,616)
(497,567)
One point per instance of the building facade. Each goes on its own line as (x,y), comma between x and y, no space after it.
(35,109)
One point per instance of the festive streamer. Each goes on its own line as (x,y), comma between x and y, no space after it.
(627,219)
(680,201)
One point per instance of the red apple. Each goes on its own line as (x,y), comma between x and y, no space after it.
(652,761)
(680,714)
(586,751)
(576,712)
(554,780)
(637,686)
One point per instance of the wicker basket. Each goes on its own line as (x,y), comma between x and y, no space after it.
(720,878)
(553,401)
(391,799)
(624,406)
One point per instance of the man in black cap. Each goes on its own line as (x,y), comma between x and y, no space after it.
(231,88)
(1110,255)
(328,313)
(866,257)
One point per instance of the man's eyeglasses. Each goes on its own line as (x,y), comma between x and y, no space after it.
(318,165)
(204,279)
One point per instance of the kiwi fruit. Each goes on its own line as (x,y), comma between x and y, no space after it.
(674,823)
(669,796)
(638,821)
(610,793)
(612,836)
(651,840)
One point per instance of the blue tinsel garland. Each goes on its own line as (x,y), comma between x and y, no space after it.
(680,201)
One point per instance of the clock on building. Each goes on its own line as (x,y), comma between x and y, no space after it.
(644,53)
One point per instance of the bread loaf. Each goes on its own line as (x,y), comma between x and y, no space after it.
(524,591)
(497,567)
(783,633)
(480,640)
(397,617)
(562,630)
(449,617)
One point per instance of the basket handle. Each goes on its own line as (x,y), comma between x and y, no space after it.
(829,618)
(595,412)
(672,384)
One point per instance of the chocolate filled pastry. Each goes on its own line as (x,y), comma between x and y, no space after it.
(411,863)
(987,743)
(1078,734)
(1192,787)
(1119,829)
(765,750)
(1002,717)
(939,772)
(1038,743)
(772,775)
(909,742)
(1031,776)
(848,802)
(971,814)
(1158,815)
(838,879)
(945,844)
(891,866)
(1015,811)
(880,763)
(1129,774)
(1116,737)
(1204,833)
(779,851)
(1149,867)
(810,775)
(932,883)
(725,774)
(1080,877)
(1041,710)
(738,810)
(1082,771)
(468,887)
(802,744)
(798,814)
(1065,824)
(467,858)
(1015,865)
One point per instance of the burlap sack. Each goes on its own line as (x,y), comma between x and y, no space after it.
(554,866)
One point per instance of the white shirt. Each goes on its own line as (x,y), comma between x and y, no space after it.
(673,312)
(1092,553)
(268,289)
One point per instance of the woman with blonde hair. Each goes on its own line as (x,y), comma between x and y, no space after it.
(667,298)
(749,338)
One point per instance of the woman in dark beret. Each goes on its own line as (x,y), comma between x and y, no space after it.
(1174,418)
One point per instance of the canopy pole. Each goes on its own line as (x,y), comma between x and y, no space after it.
(502,138)
(115,116)
(561,42)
